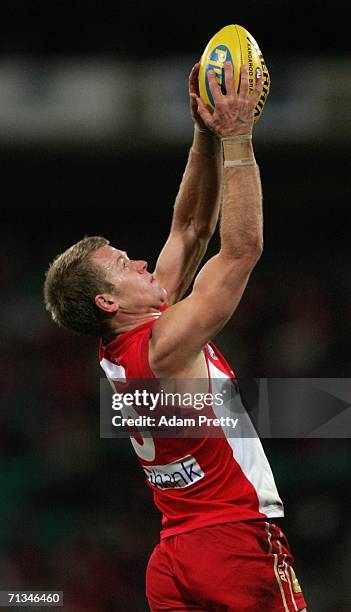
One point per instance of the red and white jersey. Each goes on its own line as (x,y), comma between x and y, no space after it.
(216,480)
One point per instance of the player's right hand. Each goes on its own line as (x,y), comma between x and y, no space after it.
(234,111)
(194,94)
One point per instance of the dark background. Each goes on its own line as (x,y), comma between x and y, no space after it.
(75,514)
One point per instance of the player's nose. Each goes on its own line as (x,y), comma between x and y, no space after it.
(140,265)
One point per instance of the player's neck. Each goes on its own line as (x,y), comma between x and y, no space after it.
(127,321)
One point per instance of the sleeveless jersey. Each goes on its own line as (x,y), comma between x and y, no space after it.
(213,480)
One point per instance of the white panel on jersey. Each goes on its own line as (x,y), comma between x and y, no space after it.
(113,371)
(249,454)
(146,450)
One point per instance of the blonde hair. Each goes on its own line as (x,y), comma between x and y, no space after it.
(71,284)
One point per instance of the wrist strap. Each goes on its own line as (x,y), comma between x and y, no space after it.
(239,138)
(237,151)
(239,162)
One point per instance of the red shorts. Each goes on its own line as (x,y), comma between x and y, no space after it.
(234,567)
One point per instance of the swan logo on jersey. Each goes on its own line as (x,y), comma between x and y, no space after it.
(218,57)
(179,474)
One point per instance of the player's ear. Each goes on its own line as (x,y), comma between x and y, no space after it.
(105,302)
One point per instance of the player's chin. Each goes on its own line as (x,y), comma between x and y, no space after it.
(162,295)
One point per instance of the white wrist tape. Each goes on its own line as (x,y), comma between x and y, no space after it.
(237,151)
(239,162)
(237,138)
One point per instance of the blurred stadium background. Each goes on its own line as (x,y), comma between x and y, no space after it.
(94,134)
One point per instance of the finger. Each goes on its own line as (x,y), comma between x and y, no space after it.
(193,102)
(191,76)
(214,87)
(244,82)
(259,80)
(229,78)
(204,112)
(194,79)
(258,86)
(193,99)
(196,69)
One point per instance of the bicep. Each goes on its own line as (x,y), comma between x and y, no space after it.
(184,329)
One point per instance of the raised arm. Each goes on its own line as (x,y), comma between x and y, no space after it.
(181,332)
(196,208)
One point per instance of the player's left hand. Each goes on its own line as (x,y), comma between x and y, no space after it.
(234,110)
(194,95)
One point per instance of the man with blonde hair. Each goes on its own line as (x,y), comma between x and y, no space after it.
(219,548)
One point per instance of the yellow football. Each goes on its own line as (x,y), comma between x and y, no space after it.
(235,44)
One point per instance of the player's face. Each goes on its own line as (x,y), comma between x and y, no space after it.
(136,289)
